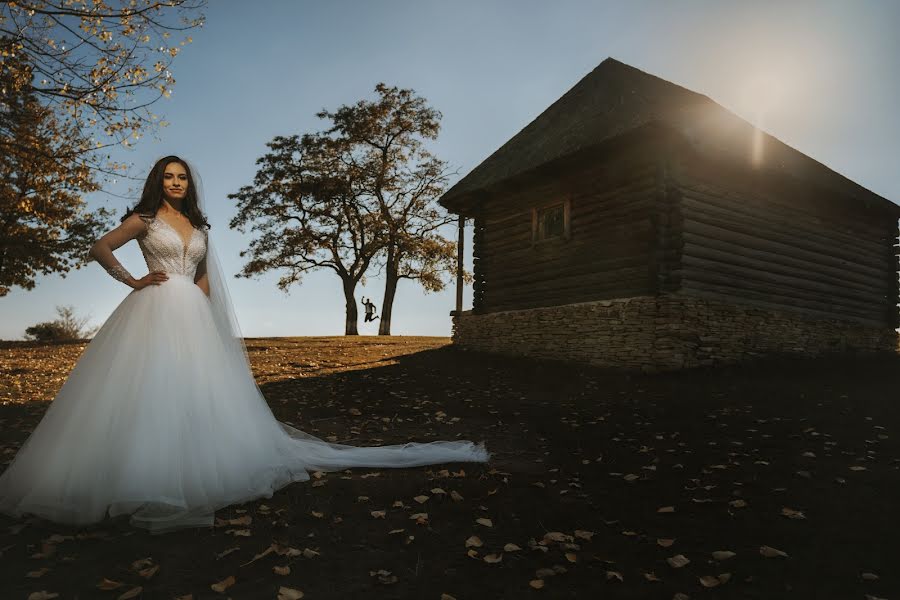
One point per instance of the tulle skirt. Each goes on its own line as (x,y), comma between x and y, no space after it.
(153,422)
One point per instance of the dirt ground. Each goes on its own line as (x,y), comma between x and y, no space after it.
(775,480)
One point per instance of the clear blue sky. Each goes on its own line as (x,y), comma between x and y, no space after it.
(821,76)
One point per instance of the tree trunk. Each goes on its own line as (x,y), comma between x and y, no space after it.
(350,327)
(387,303)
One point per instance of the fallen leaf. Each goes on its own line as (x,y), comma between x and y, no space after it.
(282,550)
(265,552)
(678,561)
(286,593)
(109,584)
(141,563)
(557,536)
(132,593)
(38,573)
(473,540)
(485,522)
(223,585)
(148,572)
(239,532)
(226,552)
(585,535)
(770,552)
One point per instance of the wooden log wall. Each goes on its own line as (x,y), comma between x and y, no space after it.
(477,269)
(666,266)
(609,251)
(780,248)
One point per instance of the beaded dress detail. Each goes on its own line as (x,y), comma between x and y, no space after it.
(165,250)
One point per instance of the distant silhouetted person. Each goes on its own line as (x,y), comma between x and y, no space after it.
(370,309)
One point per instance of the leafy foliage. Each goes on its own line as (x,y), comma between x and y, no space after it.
(99,64)
(44,226)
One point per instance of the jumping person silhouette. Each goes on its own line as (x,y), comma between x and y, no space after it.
(370,309)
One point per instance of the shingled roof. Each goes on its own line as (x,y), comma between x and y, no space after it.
(616,98)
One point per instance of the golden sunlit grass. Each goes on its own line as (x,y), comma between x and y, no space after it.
(36,371)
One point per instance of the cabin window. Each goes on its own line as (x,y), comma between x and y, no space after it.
(550,221)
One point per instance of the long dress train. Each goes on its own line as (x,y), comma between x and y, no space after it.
(157,421)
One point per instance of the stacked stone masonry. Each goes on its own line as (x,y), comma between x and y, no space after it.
(661,333)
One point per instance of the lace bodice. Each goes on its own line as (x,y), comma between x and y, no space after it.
(165,250)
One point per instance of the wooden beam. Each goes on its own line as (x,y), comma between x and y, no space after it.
(459,263)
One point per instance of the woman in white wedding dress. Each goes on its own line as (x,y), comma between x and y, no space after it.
(161,418)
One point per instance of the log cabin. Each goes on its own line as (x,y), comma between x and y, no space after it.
(638,225)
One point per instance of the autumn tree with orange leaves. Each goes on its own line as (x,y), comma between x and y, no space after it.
(77,77)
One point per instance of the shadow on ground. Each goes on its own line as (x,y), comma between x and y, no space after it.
(601,484)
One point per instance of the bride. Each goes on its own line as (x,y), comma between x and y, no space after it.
(161,418)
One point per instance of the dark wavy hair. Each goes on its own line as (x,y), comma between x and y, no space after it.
(152,196)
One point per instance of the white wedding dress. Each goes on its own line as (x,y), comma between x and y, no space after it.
(158,421)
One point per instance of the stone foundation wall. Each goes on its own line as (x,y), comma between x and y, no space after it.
(667,332)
